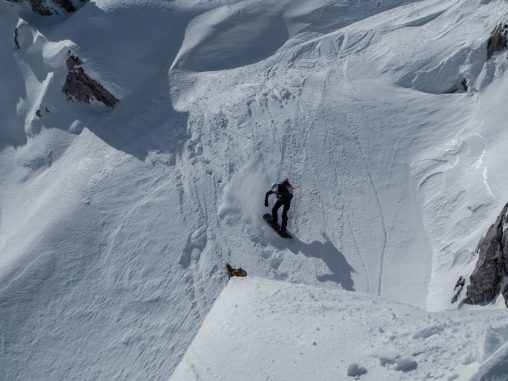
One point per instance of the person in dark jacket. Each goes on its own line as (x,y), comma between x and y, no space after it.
(284,193)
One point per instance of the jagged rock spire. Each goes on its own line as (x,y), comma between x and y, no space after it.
(491,267)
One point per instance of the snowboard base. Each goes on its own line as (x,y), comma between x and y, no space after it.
(268,218)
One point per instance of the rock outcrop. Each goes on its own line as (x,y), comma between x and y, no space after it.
(458,289)
(81,87)
(40,7)
(16,41)
(464,84)
(497,40)
(67,5)
(235,272)
(51,7)
(491,267)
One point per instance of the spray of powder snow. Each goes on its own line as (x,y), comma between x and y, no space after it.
(243,197)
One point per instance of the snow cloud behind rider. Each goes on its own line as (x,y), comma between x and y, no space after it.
(284,193)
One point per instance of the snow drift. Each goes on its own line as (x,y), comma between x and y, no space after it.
(261,329)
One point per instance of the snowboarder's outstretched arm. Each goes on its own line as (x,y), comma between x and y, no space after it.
(273,190)
(266,196)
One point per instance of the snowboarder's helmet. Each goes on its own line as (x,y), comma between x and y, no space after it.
(288,186)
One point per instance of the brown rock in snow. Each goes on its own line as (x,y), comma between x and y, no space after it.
(80,86)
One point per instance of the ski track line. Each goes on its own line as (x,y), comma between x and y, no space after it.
(297,118)
(355,242)
(354,133)
(376,194)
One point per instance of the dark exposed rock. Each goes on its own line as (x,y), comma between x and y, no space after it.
(235,272)
(16,42)
(40,7)
(497,40)
(460,282)
(80,86)
(72,62)
(491,267)
(50,7)
(66,4)
(458,288)
(464,84)
(505,294)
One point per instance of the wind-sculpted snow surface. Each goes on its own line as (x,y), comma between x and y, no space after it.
(261,329)
(116,224)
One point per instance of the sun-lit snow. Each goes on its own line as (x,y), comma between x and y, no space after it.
(260,329)
(116,225)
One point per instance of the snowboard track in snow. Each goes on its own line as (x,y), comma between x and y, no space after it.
(372,184)
(381,214)
(337,177)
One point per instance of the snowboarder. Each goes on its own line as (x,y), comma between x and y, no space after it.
(284,193)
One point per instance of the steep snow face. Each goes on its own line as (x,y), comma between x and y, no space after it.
(368,117)
(115,226)
(261,329)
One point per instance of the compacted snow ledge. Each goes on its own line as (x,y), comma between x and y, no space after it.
(261,329)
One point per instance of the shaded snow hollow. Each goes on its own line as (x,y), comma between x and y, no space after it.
(116,224)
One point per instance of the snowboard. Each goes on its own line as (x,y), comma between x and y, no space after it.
(268,218)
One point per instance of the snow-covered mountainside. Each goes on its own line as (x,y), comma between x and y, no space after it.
(116,222)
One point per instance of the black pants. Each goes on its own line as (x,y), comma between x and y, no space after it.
(275,209)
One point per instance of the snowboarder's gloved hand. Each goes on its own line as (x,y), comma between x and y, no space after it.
(266,203)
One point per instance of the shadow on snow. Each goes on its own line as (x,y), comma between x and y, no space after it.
(340,270)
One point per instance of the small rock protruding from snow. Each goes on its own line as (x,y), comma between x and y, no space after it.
(355,370)
(235,272)
(80,86)
(497,40)
(464,84)
(23,36)
(458,288)
(16,42)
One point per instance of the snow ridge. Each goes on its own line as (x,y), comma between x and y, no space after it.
(284,331)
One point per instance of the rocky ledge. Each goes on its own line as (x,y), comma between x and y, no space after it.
(497,40)
(81,87)
(487,279)
(51,7)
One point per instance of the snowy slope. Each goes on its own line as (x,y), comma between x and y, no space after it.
(260,329)
(115,225)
